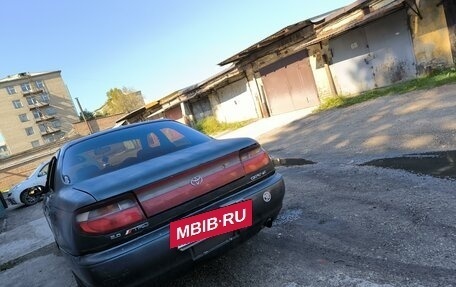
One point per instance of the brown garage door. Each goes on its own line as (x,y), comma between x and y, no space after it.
(289,84)
(175,113)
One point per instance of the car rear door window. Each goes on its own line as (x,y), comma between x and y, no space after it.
(124,147)
(175,138)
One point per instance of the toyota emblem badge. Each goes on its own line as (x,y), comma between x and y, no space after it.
(197,180)
(267,196)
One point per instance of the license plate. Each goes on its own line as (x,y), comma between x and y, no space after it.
(193,229)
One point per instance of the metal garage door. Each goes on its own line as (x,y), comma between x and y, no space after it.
(376,55)
(289,84)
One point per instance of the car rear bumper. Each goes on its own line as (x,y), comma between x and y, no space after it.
(150,257)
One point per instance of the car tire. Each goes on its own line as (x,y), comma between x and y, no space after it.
(28,199)
(78,281)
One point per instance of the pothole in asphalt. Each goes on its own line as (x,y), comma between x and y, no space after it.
(438,164)
(291,161)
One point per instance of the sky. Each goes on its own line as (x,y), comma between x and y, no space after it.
(155,46)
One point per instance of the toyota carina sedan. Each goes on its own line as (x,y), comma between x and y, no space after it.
(133,204)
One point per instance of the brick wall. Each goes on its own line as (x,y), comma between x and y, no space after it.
(17,173)
(16,168)
(97,125)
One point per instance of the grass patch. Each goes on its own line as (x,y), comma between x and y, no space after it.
(211,126)
(434,80)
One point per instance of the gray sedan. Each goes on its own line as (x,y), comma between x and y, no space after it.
(138,203)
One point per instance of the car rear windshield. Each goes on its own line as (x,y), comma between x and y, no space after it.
(124,147)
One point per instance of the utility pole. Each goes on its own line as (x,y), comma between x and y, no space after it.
(83,116)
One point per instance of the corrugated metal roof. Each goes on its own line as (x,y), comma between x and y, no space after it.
(294,28)
(190,90)
(360,22)
(267,41)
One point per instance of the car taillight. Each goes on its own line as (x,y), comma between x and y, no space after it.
(254,159)
(110,217)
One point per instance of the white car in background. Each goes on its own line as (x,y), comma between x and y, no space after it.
(29,191)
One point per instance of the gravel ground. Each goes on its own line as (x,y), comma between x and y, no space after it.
(348,226)
(389,126)
(19,214)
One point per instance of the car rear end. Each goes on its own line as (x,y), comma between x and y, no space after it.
(121,235)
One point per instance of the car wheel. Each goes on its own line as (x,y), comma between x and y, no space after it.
(29,199)
(78,281)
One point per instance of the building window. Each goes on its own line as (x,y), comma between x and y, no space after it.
(17,104)
(50,111)
(23,118)
(45,98)
(39,84)
(49,139)
(35,143)
(43,128)
(11,90)
(29,131)
(53,137)
(37,114)
(26,87)
(31,100)
(56,124)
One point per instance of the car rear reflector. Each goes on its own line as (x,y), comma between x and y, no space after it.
(254,159)
(110,217)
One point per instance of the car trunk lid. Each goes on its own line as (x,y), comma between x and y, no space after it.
(167,176)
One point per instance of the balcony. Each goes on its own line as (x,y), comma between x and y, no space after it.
(31,93)
(43,119)
(38,105)
(49,132)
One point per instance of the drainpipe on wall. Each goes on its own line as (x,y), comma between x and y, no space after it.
(187,117)
(332,86)
(263,105)
(256,100)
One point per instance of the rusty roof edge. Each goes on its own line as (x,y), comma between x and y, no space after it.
(131,114)
(319,19)
(288,30)
(344,10)
(316,20)
(231,72)
(368,18)
(169,97)
(207,84)
(151,104)
(189,92)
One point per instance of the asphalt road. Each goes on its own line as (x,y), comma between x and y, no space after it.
(342,224)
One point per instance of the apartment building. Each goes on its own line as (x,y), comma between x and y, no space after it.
(35,109)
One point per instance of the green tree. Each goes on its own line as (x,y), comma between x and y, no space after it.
(123,101)
(87,114)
